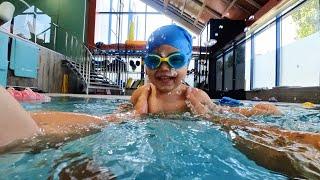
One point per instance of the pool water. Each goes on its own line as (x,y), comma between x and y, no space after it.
(155,148)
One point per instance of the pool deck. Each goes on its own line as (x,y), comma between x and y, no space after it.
(89,96)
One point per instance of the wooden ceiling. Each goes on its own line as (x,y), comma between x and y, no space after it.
(195,13)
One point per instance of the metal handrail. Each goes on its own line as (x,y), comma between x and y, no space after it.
(82,57)
(79,54)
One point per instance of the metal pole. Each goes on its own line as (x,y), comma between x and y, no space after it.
(66,42)
(55,38)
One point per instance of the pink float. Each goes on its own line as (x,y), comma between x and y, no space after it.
(28,95)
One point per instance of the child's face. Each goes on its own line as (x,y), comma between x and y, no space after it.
(164,77)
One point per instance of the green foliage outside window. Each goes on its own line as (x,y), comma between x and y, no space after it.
(307,18)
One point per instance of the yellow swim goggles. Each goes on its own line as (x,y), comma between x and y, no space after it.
(175,60)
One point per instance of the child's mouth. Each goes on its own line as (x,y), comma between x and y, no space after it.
(165,79)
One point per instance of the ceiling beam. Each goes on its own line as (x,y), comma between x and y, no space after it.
(183,6)
(240,7)
(185,16)
(228,8)
(213,12)
(200,12)
(254,3)
(175,15)
(165,4)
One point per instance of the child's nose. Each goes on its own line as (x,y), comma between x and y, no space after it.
(164,66)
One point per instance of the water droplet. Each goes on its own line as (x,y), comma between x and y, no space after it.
(232,135)
(187,114)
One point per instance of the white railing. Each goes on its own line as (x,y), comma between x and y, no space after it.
(74,50)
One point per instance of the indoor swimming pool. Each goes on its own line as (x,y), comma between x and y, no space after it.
(149,148)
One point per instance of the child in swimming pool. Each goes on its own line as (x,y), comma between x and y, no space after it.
(169,51)
(167,94)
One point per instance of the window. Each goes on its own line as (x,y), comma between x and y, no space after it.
(264,67)
(219,68)
(33,22)
(204,37)
(240,66)
(102,28)
(145,18)
(138,6)
(43,27)
(300,64)
(140,26)
(155,21)
(103,5)
(114,29)
(150,9)
(228,71)
(124,29)
(248,65)
(24,24)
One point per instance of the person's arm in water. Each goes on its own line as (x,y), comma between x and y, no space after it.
(16,123)
(201,104)
(298,152)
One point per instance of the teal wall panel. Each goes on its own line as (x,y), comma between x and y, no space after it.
(4,39)
(68,14)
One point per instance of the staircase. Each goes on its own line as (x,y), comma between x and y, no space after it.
(97,81)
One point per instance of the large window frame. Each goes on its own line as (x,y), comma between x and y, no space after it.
(117,20)
(252,37)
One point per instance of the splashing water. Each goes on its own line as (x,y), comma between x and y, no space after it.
(163,148)
(173,72)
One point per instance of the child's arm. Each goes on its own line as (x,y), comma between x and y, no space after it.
(258,109)
(201,104)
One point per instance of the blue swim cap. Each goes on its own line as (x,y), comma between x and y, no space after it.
(172,35)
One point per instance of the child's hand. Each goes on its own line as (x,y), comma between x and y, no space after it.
(199,102)
(153,102)
(139,99)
